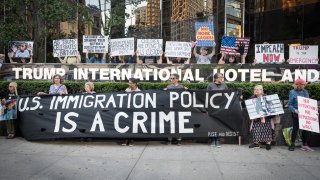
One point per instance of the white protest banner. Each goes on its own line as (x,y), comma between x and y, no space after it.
(303,55)
(149,47)
(95,43)
(122,46)
(65,47)
(308,114)
(269,53)
(178,49)
(264,106)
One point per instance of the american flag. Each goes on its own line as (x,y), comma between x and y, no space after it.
(229,45)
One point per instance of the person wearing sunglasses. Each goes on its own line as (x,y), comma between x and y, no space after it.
(174,85)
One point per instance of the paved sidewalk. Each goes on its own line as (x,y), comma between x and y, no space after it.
(151,160)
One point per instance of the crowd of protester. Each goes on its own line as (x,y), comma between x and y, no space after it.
(262,129)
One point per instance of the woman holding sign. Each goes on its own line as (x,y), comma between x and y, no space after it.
(261,128)
(298,90)
(8,111)
(71,59)
(96,58)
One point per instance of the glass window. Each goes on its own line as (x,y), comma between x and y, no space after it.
(233,29)
(233,8)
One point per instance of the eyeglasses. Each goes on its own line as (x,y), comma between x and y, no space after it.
(172,78)
(11,86)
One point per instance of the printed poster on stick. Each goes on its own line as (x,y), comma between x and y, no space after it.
(308,114)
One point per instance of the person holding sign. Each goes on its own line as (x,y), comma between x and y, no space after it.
(56,88)
(149,59)
(175,86)
(299,90)
(96,58)
(178,60)
(8,112)
(133,87)
(231,59)
(217,84)
(71,59)
(203,57)
(22,60)
(122,59)
(261,128)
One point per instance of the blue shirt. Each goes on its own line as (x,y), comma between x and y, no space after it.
(293,98)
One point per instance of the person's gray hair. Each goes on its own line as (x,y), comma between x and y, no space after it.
(259,87)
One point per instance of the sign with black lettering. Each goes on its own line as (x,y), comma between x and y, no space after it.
(65,47)
(303,54)
(178,49)
(95,44)
(269,53)
(147,114)
(121,47)
(149,47)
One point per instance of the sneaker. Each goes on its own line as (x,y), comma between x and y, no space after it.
(125,142)
(255,146)
(10,136)
(268,147)
(291,148)
(306,148)
(131,143)
(218,144)
(179,143)
(213,143)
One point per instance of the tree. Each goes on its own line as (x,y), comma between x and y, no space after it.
(39,21)
(115,18)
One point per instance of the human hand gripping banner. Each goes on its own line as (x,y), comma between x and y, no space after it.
(308,114)
(205,34)
(147,114)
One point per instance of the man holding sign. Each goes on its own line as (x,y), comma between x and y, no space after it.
(299,90)
(203,57)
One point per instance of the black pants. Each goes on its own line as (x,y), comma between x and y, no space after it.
(305,134)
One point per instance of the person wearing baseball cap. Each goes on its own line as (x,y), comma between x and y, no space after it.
(203,57)
(299,90)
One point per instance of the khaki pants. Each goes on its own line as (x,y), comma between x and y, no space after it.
(10,127)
